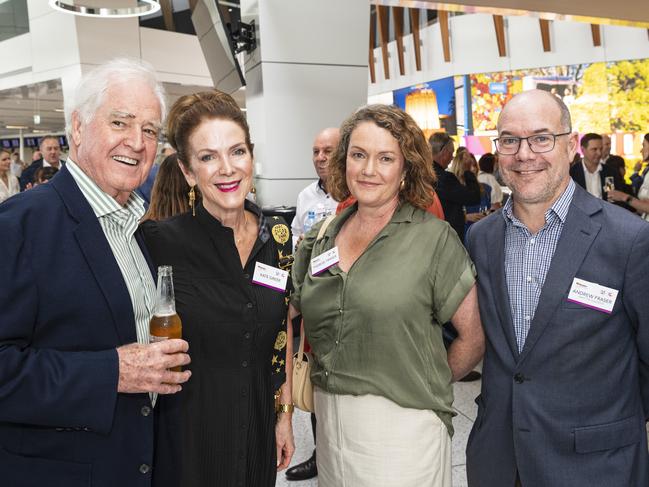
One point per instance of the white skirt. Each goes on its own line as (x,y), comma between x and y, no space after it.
(370,441)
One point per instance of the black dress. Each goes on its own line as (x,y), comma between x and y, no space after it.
(219,431)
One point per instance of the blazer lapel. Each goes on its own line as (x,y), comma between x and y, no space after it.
(500,291)
(579,232)
(99,256)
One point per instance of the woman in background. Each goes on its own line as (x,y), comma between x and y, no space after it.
(9,185)
(223,429)
(169,193)
(462,162)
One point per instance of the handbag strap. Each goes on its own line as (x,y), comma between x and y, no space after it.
(323,228)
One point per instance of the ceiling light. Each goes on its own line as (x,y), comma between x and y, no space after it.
(59,110)
(16,127)
(144,7)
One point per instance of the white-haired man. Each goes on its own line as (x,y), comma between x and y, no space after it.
(79,378)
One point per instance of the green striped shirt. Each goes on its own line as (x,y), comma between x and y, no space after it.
(119,224)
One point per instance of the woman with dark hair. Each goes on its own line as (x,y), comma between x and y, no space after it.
(641,203)
(487,166)
(223,428)
(169,193)
(9,185)
(374,287)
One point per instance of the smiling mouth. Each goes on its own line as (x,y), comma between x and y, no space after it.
(228,187)
(126,160)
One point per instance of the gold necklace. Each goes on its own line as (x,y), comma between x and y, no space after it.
(245,226)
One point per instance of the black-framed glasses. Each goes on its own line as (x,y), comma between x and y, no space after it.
(509,145)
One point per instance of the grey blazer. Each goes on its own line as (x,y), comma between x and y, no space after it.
(570,409)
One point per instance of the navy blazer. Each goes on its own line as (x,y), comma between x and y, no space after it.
(570,409)
(65,308)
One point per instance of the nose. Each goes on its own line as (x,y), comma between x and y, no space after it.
(135,139)
(320,157)
(524,151)
(370,166)
(226,167)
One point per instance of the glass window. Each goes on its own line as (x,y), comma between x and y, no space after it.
(13,19)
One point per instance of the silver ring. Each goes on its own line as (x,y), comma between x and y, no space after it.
(144,7)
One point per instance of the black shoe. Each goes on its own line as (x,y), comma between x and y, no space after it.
(471,376)
(303,471)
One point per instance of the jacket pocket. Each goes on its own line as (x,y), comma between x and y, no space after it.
(607,436)
(23,471)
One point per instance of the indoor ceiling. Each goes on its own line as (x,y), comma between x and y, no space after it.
(19,105)
(624,12)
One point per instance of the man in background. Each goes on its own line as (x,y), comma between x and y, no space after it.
(51,153)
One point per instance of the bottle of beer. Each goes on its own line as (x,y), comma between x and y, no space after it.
(165,323)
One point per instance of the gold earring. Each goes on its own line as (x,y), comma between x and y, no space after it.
(253,190)
(192,200)
(402,185)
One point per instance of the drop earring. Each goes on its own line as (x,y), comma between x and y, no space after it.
(192,200)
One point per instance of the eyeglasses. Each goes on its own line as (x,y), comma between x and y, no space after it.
(539,143)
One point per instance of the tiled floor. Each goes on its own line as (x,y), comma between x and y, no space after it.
(465,393)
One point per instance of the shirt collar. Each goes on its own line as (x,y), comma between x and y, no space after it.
(587,172)
(264,225)
(560,207)
(100,202)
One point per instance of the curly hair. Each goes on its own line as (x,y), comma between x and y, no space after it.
(419,181)
(189,111)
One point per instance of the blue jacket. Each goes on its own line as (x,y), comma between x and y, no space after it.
(570,408)
(64,309)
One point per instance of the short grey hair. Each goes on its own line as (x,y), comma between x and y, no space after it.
(89,94)
(565,120)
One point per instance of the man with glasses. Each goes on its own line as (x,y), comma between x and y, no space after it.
(562,288)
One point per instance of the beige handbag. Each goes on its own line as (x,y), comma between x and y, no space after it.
(302,388)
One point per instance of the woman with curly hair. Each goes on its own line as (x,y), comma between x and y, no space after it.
(374,288)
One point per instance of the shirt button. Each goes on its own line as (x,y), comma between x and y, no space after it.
(529,279)
(527,317)
(337,342)
(244,363)
(532,240)
(146,410)
(249,305)
(246,276)
(326,374)
(246,335)
(144,468)
(340,310)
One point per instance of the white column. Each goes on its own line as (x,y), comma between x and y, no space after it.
(308,72)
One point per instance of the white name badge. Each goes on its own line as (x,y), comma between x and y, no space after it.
(269,276)
(592,295)
(324,261)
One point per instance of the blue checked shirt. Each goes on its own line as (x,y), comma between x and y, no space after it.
(528,258)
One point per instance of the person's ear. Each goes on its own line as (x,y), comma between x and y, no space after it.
(187,172)
(77,129)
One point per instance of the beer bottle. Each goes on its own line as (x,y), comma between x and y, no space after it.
(165,323)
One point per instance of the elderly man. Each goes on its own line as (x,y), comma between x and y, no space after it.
(562,288)
(79,378)
(51,152)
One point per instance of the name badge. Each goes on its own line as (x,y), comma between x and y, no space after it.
(324,261)
(592,295)
(269,276)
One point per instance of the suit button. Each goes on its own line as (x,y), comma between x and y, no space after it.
(144,468)
(249,305)
(146,410)
(247,335)
(519,378)
(244,363)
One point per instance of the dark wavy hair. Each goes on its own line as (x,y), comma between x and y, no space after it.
(419,182)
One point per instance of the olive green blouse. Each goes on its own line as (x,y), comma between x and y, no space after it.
(376,329)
